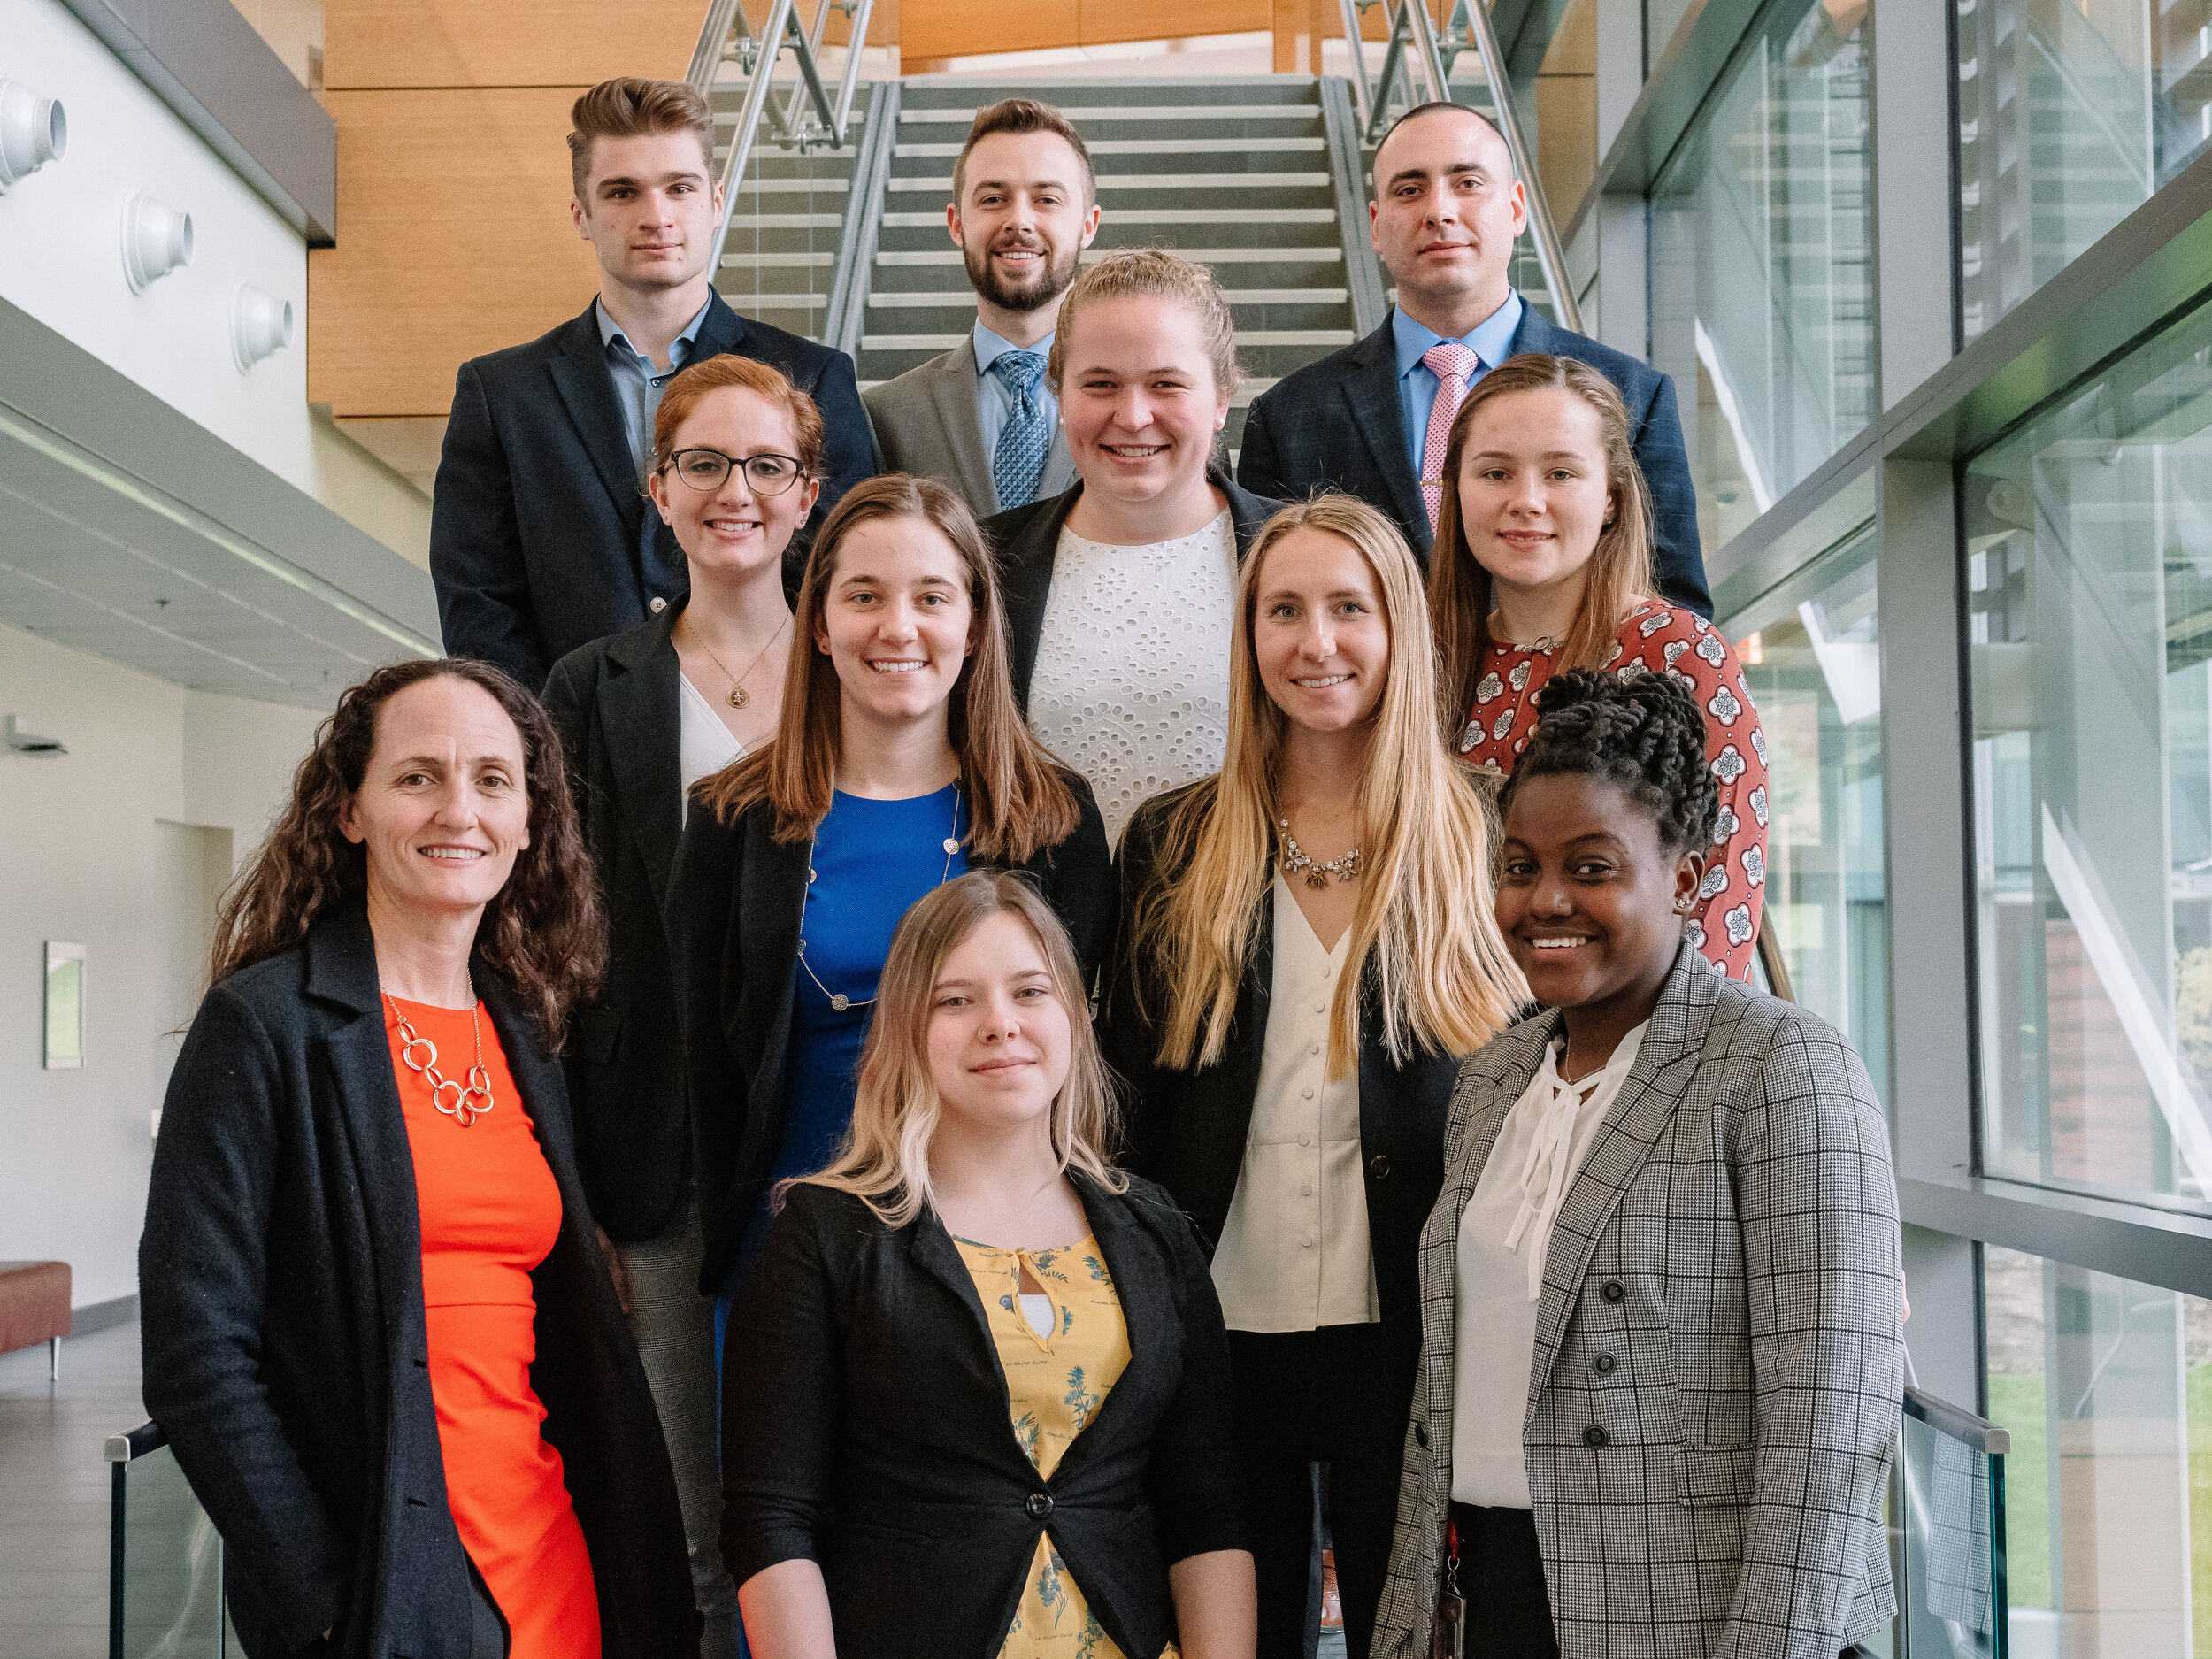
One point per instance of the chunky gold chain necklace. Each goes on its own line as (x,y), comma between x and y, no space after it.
(471,1100)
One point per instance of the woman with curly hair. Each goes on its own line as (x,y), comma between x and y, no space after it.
(1661,1345)
(379,1327)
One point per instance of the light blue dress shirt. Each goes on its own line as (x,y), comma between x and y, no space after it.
(1490,340)
(992,406)
(638,384)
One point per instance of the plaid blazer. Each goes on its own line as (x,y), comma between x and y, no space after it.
(1718,1348)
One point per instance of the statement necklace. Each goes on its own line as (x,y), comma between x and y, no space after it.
(472,1100)
(1344,866)
(737,696)
(838,1000)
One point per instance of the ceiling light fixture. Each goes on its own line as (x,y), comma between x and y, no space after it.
(33,132)
(260,325)
(157,240)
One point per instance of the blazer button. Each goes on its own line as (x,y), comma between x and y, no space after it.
(1611,1290)
(1421,1435)
(1039,1505)
(657,605)
(1378,1166)
(1604,1364)
(1595,1438)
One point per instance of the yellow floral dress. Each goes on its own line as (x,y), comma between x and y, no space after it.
(1055,1386)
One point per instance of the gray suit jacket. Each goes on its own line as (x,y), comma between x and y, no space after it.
(925,426)
(1718,1346)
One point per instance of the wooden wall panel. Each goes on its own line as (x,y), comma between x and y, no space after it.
(960,28)
(1107,22)
(455,240)
(387,44)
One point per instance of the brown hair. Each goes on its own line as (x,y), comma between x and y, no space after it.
(1154,273)
(1019,802)
(543,933)
(692,386)
(630,106)
(1023,115)
(885,1159)
(1620,567)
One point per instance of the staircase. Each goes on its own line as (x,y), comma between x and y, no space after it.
(1233,174)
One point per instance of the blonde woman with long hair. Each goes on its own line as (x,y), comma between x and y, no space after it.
(923,1461)
(1308,948)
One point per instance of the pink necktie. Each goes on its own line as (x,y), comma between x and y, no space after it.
(1453,365)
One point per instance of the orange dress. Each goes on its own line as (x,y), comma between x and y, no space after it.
(491,1212)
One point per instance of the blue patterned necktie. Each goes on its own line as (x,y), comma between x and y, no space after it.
(1019,461)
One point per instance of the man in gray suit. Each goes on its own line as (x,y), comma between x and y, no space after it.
(982,417)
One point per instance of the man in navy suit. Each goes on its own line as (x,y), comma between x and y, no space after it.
(1446,209)
(542,538)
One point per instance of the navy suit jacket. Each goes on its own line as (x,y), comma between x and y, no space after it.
(534,526)
(1338,423)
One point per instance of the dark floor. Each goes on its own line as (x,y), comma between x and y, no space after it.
(54,1484)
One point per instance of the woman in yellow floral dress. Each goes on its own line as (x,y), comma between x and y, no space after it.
(983,1406)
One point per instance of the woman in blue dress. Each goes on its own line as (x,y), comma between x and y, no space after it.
(900,761)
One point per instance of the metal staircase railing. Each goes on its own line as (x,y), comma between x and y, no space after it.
(810,116)
(1416,42)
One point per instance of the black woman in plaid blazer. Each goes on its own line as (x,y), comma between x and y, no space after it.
(1716,1376)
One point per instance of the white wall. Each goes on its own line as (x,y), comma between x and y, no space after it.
(94,852)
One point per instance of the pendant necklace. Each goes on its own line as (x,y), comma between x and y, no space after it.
(471,1100)
(838,1000)
(737,696)
(1344,866)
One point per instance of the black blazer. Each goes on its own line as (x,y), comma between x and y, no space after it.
(734,924)
(533,532)
(618,707)
(1187,1130)
(1338,423)
(1028,538)
(286,1353)
(872,1433)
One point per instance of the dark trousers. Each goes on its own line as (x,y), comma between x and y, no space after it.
(1338,1396)
(1501,1580)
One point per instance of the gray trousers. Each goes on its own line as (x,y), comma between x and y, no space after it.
(674,1327)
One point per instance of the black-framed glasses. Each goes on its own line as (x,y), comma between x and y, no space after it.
(765,474)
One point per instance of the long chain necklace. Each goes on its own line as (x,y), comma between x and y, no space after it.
(737,696)
(472,1100)
(838,1000)
(1344,866)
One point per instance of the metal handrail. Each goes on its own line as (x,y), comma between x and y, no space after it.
(1467,28)
(727,36)
(1957,1422)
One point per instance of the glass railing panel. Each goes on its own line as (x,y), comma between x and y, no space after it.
(166,1558)
(1949,1510)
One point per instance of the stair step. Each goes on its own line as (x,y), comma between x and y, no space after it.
(1144,113)
(1140,216)
(786,302)
(1144,147)
(1253,337)
(950,298)
(778,261)
(787,221)
(1092,255)
(1159,181)
(795,187)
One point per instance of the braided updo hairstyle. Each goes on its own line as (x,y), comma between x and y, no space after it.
(1644,732)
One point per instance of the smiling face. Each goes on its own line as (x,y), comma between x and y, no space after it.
(1590,899)
(897,621)
(1320,638)
(443,807)
(731,529)
(1000,1035)
(1023,220)
(1446,212)
(1138,397)
(1532,491)
(648,209)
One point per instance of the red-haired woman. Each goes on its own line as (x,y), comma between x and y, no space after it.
(644,715)
(900,761)
(378,1326)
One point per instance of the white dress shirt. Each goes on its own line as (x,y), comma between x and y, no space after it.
(1504,1235)
(704,744)
(1295,1253)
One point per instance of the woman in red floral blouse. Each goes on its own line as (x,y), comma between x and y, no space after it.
(1542,562)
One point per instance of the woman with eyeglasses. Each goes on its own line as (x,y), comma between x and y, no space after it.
(644,715)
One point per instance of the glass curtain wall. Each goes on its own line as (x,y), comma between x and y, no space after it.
(2072,114)
(1762,270)
(1812,656)
(2089,579)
